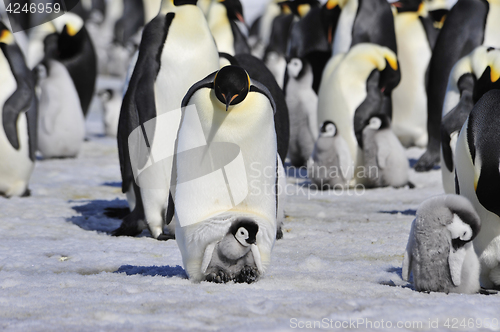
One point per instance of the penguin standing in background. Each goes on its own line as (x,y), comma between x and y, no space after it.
(234,110)
(330,165)
(364,21)
(471,77)
(477,167)
(177,50)
(130,22)
(356,86)
(302,104)
(416,36)
(385,162)
(112,102)
(260,32)
(222,19)
(469,24)
(18,110)
(440,253)
(73,48)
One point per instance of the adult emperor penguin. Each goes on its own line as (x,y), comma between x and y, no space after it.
(364,21)
(302,104)
(177,50)
(354,87)
(416,36)
(222,19)
(469,24)
(385,162)
(73,48)
(260,32)
(330,165)
(470,78)
(440,253)
(18,107)
(478,178)
(234,113)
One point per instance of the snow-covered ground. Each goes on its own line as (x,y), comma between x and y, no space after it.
(339,263)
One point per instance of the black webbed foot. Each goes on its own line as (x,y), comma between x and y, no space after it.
(248,274)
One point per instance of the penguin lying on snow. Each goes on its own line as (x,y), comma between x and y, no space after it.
(384,157)
(470,78)
(18,107)
(330,165)
(233,110)
(440,253)
(477,170)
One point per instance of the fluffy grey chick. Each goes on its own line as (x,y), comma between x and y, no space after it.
(440,252)
(384,157)
(235,257)
(330,165)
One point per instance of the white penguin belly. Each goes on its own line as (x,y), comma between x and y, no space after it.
(61,125)
(15,165)
(409,116)
(343,34)
(491,35)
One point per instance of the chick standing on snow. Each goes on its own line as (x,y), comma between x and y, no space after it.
(330,164)
(229,258)
(440,252)
(384,157)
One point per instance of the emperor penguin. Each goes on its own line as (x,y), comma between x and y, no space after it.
(440,251)
(364,21)
(222,18)
(385,162)
(415,36)
(234,114)
(470,78)
(311,38)
(330,165)
(469,24)
(176,50)
(477,164)
(262,27)
(112,102)
(355,86)
(18,107)
(74,49)
(302,104)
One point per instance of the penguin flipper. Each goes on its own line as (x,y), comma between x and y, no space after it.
(207,82)
(20,101)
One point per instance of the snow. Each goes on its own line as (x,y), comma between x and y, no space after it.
(340,260)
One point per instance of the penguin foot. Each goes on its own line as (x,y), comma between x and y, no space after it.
(485,291)
(27,193)
(218,277)
(248,274)
(411,185)
(165,237)
(279,232)
(427,161)
(131,225)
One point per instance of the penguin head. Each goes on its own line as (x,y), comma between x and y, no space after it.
(487,61)
(234,10)
(231,85)
(245,232)
(378,122)
(295,67)
(328,129)
(300,8)
(69,23)
(6,37)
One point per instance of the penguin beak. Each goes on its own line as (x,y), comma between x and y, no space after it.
(229,99)
(251,241)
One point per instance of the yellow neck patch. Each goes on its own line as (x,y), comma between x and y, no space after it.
(6,37)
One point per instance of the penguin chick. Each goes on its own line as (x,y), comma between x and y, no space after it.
(229,258)
(384,157)
(440,252)
(330,164)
